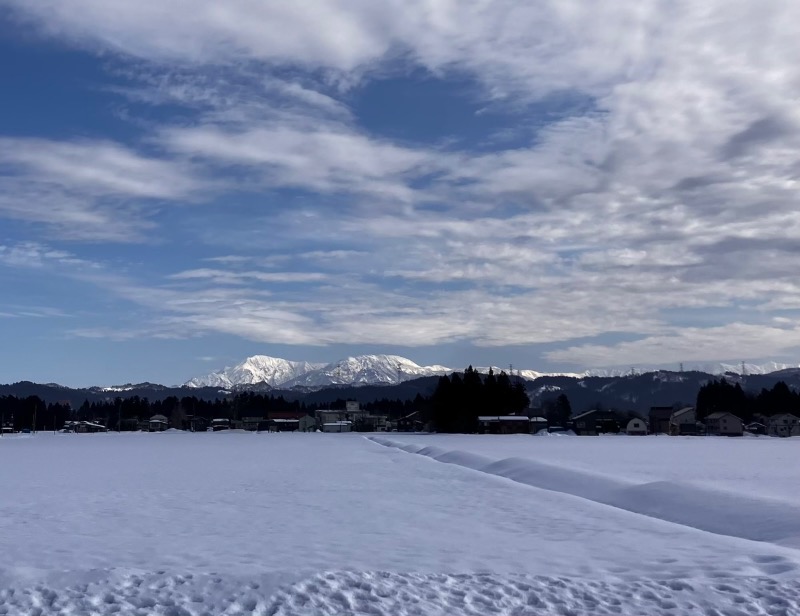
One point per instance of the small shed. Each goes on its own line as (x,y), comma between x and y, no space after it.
(538,424)
(157,423)
(756,427)
(504,424)
(220,423)
(636,427)
(724,424)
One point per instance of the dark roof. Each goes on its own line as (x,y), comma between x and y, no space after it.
(601,414)
(660,412)
(289,415)
(719,415)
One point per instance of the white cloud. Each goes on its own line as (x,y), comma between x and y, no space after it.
(676,191)
(88,190)
(689,345)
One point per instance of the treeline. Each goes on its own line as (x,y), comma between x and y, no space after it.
(124,413)
(720,395)
(459,400)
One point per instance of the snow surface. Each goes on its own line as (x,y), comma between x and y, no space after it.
(243,523)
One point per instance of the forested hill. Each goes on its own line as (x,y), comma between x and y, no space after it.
(636,392)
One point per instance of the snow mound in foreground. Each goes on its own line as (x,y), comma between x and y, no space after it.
(716,511)
(397,594)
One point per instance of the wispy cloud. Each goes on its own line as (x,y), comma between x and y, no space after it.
(674,190)
(95,190)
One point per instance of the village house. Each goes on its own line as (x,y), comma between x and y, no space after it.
(659,419)
(195,423)
(504,424)
(683,422)
(636,427)
(756,427)
(220,423)
(371,423)
(410,423)
(255,424)
(157,423)
(307,424)
(296,421)
(724,424)
(337,426)
(783,424)
(328,415)
(284,425)
(84,427)
(594,422)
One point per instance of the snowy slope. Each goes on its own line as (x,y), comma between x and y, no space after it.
(531,375)
(191,524)
(393,369)
(257,369)
(366,370)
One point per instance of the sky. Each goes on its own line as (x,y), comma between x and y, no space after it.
(559,185)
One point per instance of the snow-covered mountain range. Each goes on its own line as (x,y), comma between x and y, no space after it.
(393,369)
(361,370)
(257,369)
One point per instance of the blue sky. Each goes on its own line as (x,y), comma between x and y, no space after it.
(560,186)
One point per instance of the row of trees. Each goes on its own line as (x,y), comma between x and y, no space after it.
(124,413)
(723,396)
(459,400)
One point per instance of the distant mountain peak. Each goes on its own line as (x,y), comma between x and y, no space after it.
(355,370)
(273,371)
(267,372)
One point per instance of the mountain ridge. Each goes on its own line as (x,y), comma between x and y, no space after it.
(381,369)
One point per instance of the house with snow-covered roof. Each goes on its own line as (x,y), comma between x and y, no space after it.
(504,424)
(157,423)
(337,426)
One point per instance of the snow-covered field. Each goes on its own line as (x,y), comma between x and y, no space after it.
(280,524)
